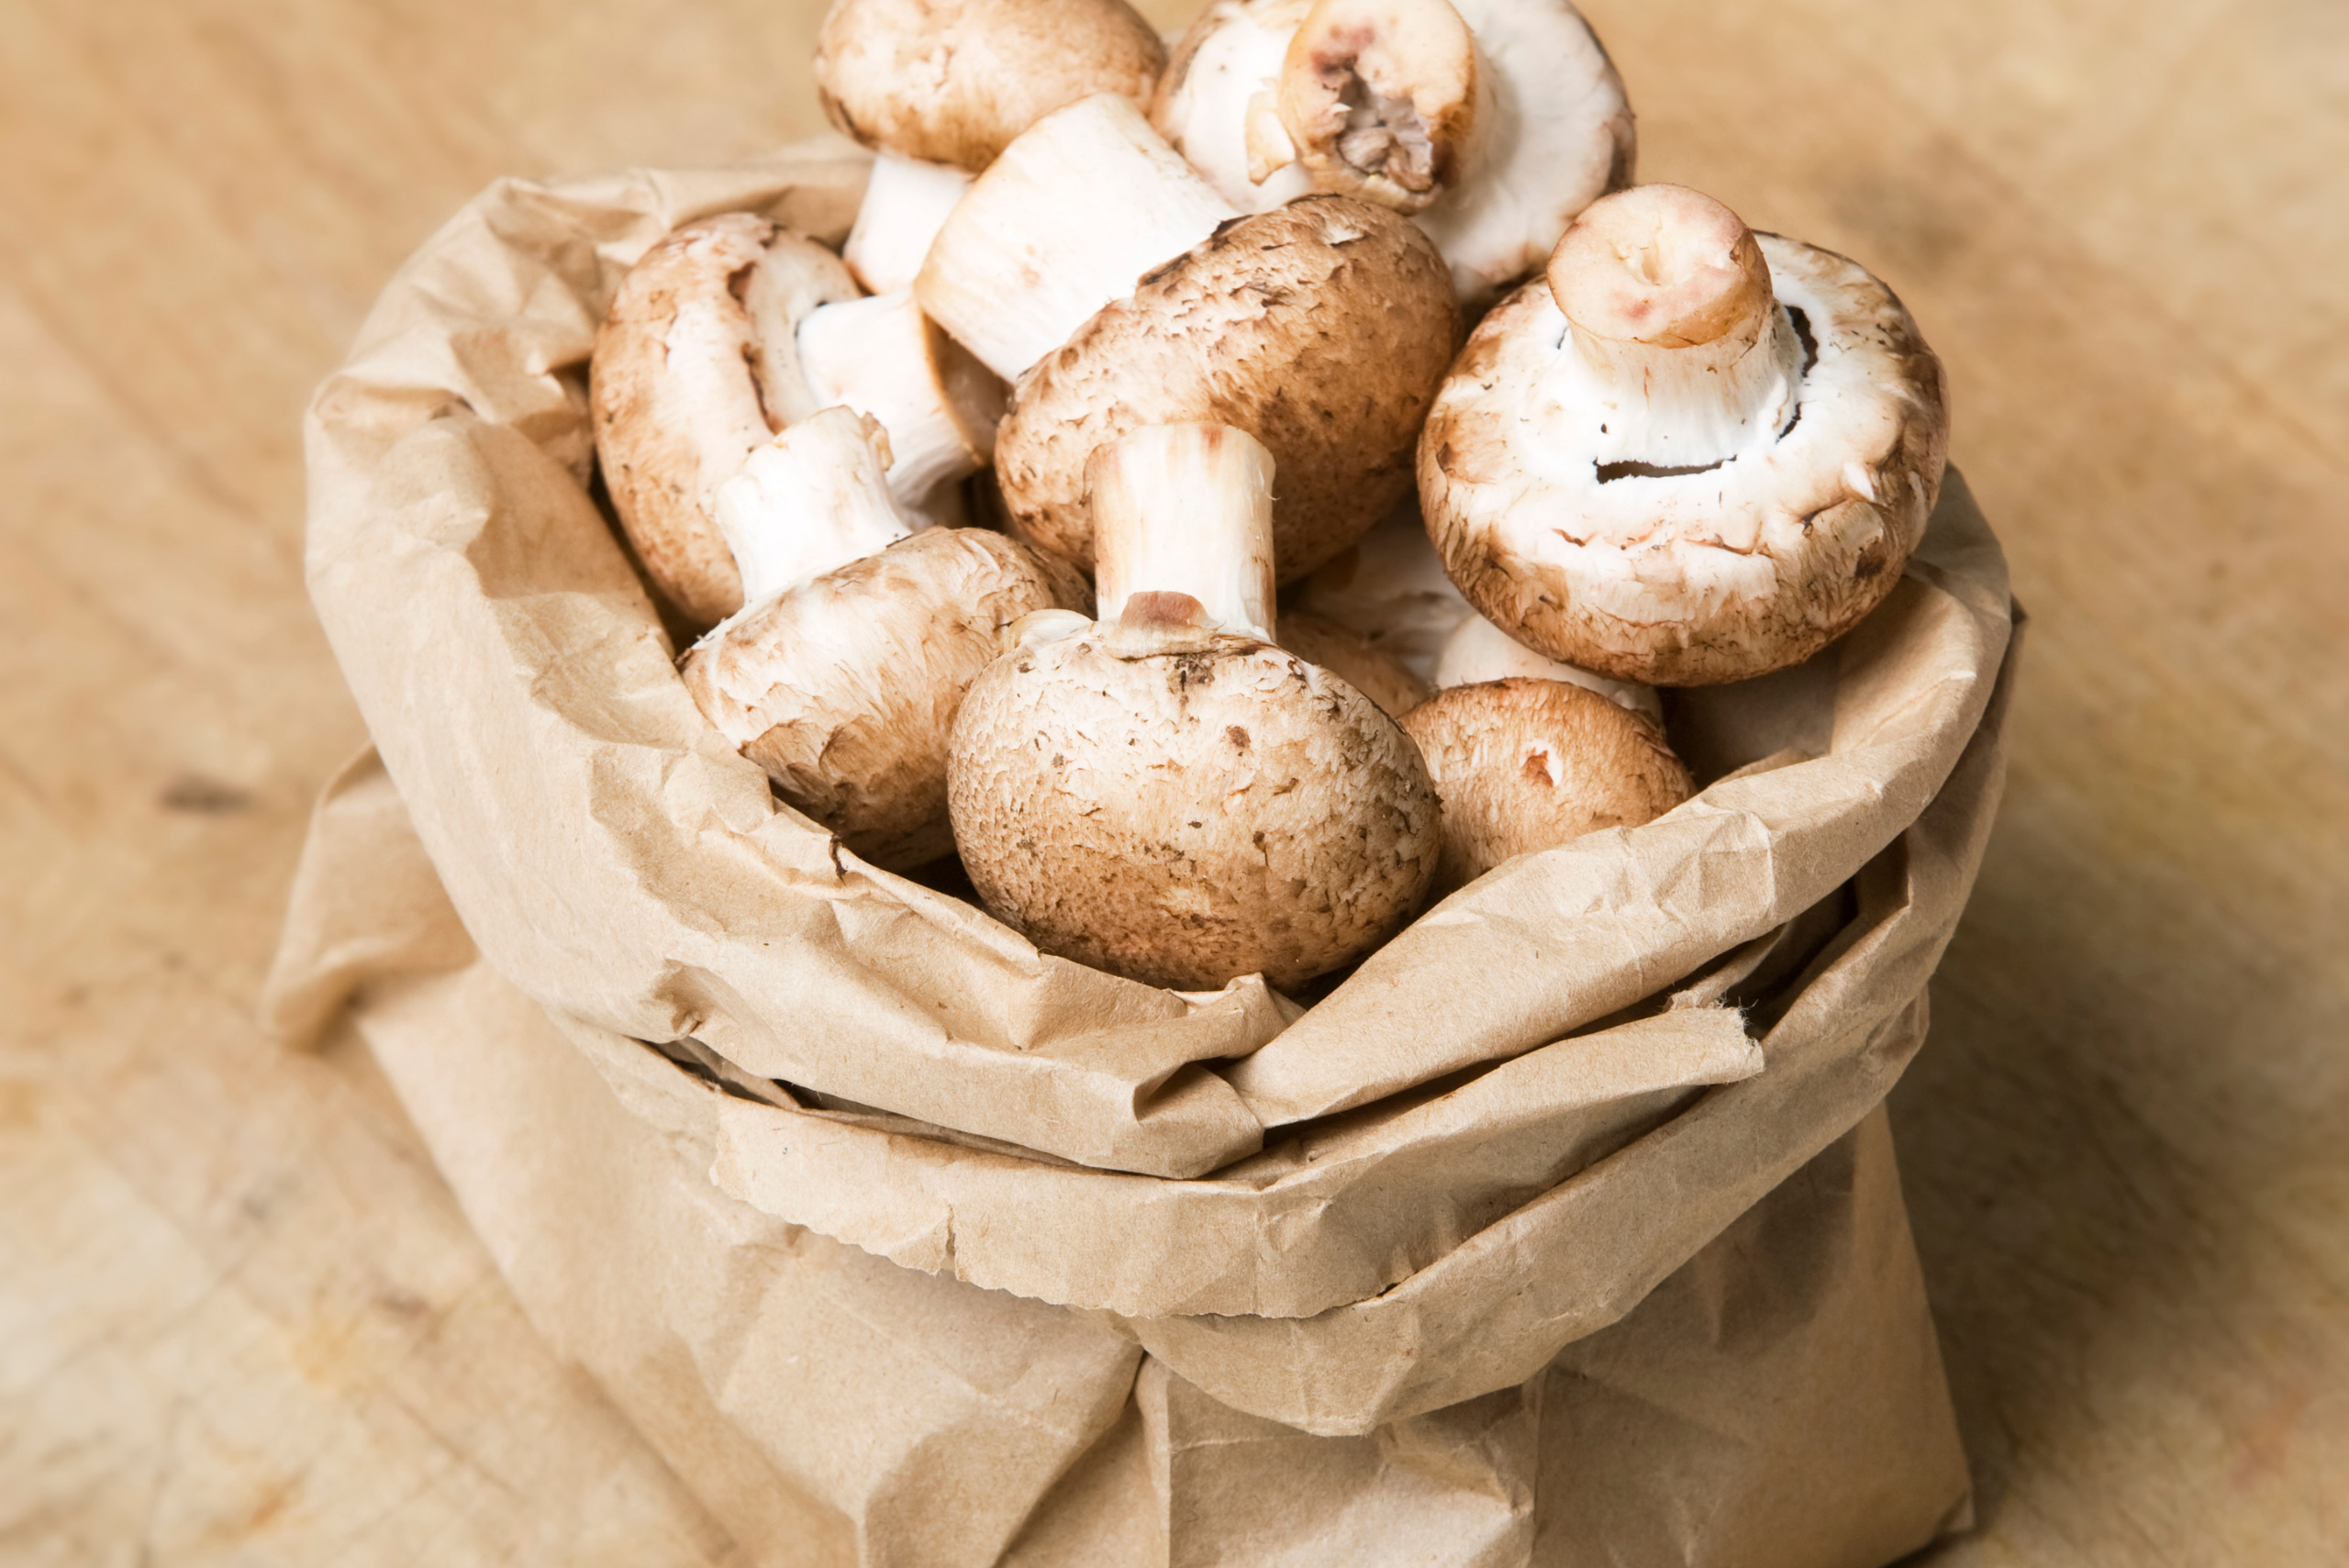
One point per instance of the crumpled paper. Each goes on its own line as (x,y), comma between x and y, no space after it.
(862,1206)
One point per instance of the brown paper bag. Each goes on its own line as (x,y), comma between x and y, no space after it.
(745,1119)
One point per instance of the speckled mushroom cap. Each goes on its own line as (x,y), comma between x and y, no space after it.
(1322,330)
(844,689)
(1528,764)
(1547,128)
(1281,823)
(1686,567)
(695,367)
(953,81)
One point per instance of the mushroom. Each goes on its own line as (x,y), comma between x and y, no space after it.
(951,81)
(1692,454)
(1355,660)
(695,366)
(1492,122)
(1321,330)
(842,675)
(1162,792)
(730,329)
(1389,587)
(1528,753)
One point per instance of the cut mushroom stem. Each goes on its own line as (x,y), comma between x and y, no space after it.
(1685,355)
(812,499)
(1377,98)
(1185,510)
(1079,207)
(880,356)
(905,203)
(1478,651)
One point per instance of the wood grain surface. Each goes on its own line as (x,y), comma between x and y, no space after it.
(241,1319)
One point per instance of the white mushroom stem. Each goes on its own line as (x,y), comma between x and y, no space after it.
(880,356)
(1185,510)
(905,203)
(1381,98)
(1222,112)
(1478,651)
(1079,207)
(812,499)
(1682,355)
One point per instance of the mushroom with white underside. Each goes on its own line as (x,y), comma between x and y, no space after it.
(1162,792)
(1691,454)
(842,676)
(1493,122)
(1528,754)
(1096,269)
(730,329)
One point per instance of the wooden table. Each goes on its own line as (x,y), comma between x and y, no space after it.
(241,1320)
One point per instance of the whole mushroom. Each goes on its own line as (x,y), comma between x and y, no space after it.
(1164,793)
(1492,122)
(842,675)
(1096,269)
(1528,754)
(1691,454)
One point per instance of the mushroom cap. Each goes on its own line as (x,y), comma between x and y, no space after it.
(1525,764)
(844,689)
(693,370)
(1321,330)
(1355,660)
(1689,577)
(1186,817)
(953,81)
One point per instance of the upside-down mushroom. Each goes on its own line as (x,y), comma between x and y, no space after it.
(1691,454)
(1492,122)
(1164,793)
(842,676)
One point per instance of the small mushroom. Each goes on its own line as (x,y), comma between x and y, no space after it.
(1162,792)
(695,367)
(842,676)
(1493,122)
(953,82)
(1692,454)
(1321,330)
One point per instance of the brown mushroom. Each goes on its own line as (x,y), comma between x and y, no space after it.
(953,82)
(1164,794)
(1692,454)
(842,676)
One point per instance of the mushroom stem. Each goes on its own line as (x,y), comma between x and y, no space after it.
(1183,511)
(808,501)
(1683,356)
(905,203)
(1478,651)
(1380,98)
(1079,207)
(880,356)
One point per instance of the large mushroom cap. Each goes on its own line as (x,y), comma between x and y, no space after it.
(1321,330)
(1283,826)
(1528,764)
(844,689)
(1566,513)
(695,366)
(953,81)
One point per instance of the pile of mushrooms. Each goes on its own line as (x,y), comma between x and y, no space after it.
(1120,513)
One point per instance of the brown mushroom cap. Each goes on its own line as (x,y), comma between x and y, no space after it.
(953,81)
(844,689)
(1697,575)
(1184,817)
(1322,330)
(1355,660)
(1525,765)
(686,382)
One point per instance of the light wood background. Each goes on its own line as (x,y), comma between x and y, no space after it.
(241,1320)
